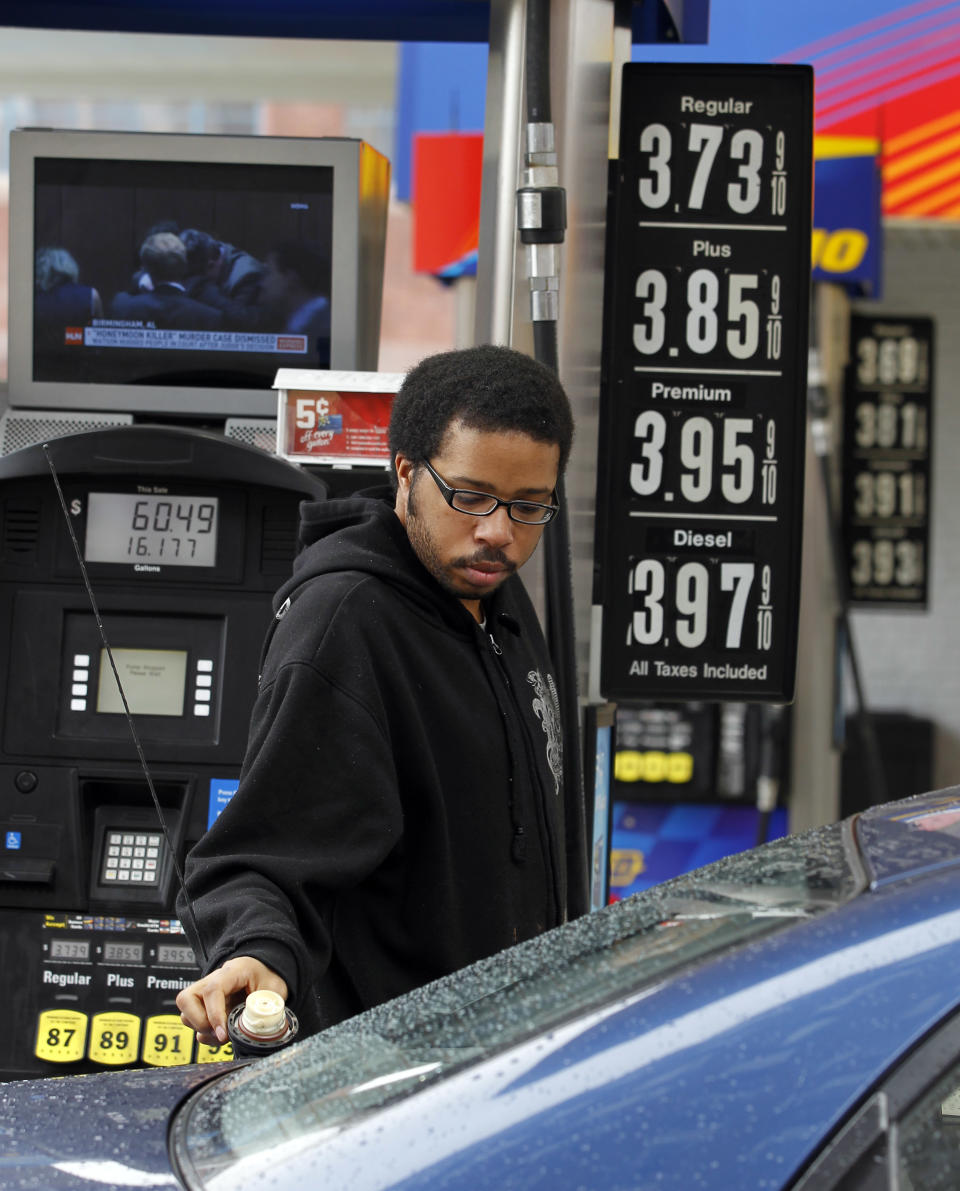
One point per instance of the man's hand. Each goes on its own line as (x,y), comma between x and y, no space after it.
(205,1005)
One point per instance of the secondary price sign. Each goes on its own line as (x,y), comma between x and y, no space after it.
(887,432)
(703,403)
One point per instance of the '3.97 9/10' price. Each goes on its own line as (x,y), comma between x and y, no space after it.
(692,602)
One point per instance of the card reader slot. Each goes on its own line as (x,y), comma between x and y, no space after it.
(27,870)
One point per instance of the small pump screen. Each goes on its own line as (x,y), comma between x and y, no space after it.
(154,681)
(70,949)
(175,531)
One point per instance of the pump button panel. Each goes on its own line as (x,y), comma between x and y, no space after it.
(131,858)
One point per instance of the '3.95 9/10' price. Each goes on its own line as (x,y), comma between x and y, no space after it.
(716,457)
(688,602)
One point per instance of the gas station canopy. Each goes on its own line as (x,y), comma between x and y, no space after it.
(374,20)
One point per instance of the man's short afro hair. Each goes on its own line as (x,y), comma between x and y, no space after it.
(487,388)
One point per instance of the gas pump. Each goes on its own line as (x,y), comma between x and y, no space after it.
(185,535)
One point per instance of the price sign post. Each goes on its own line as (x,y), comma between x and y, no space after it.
(888,412)
(703,408)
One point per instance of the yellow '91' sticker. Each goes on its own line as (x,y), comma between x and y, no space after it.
(61,1035)
(114,1038)
(167,1042)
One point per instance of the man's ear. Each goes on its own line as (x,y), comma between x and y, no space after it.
(404,470)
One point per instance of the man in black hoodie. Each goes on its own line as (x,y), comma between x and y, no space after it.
(401,810)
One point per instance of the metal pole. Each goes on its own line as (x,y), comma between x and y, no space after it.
(503,121)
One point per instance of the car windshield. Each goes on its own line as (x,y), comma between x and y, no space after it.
(301,1095)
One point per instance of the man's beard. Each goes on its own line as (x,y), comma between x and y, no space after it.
(426,550)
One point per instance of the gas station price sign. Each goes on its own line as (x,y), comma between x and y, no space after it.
(887,435)
(703,408)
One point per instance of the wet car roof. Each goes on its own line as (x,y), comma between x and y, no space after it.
(904,839)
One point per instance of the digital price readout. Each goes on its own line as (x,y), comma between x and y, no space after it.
(158,530)
(175,954)
(116,951)
(73,949)
(888,413)
(703,408)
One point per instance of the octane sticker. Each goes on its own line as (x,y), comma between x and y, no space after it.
(167,1042)
(114,1038)
(214,1054)
(61,1035)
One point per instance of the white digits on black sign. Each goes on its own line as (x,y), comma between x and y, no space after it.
(765,611)
(705,140)
(652,290)
(702,325)
(651,429)
(691,601)
(885,562)
(744,195)
(885,424)
(655,191)
(890,494)
(888,361)
(696,450)
(768,469)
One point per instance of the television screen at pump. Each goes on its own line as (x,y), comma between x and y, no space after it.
(187,273)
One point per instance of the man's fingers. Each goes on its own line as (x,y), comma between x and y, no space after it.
(203,1007)
(205,1004)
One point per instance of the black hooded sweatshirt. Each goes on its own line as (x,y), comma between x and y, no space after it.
(400,807)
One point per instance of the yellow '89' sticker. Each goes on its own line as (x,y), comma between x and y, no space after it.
(167,1042)
(61,1035)
(114,1038)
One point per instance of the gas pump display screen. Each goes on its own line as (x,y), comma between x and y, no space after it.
(70,949)
(122,953)
(175,953)
(128,527)
(154,681)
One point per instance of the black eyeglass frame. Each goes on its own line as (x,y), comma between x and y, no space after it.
(448,493)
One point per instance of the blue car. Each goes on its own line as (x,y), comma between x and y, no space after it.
(787,1017)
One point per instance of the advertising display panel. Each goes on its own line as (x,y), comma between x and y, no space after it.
(703,404)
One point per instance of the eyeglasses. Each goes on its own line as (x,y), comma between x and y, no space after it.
(482,504)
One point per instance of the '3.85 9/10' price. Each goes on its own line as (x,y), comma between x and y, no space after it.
(718,311)
(674,604)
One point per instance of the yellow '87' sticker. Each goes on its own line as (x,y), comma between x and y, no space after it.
(167,1042)
(61,1035)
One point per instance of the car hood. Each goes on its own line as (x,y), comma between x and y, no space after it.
(102,1132)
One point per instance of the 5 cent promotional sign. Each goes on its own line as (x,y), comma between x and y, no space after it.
(703,406)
